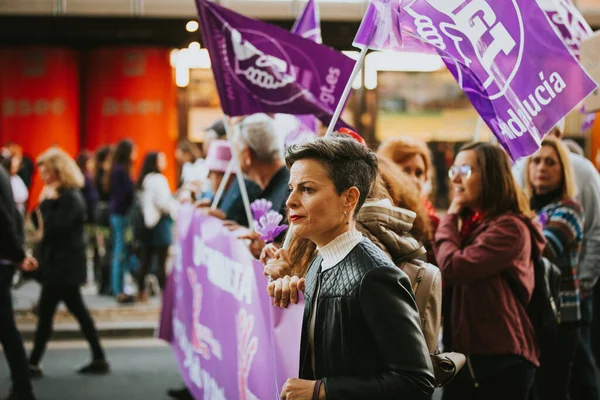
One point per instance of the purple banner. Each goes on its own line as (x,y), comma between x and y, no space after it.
(259,67)
(229,340)
(517,72)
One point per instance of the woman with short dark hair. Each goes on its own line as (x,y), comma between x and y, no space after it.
(485,247)
(361,334)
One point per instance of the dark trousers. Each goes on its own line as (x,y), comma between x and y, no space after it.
(147,253)
(553,379)
(511,383)
(584,381)
(596,324)
(49,300)
(10,336)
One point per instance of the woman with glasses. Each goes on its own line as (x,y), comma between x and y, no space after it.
(551,186)
(484,260)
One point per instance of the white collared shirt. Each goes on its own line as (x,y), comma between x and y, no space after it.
(336,250)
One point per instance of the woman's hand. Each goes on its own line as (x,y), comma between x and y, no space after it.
(285,290)
(279,265)
(268,252)
(256,243)
(300,389)
(456,206)
(49,192)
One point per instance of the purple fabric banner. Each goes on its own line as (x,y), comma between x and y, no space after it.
(228,339)
(518,75)
(259,67)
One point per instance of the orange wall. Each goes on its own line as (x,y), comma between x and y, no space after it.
(39,94)
(130,93)
(595,142)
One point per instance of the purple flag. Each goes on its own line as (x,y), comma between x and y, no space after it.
(229,340)
(588,122)
(308,24)
(519,76)
(568,22)
(259,67)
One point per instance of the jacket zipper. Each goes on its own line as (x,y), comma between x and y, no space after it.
(472,373)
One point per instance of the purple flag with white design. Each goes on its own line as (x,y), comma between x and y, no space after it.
(568,22)
(259,67)
(308,25)
(518,75)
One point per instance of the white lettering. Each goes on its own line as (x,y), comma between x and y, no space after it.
(521,119)
(229,275)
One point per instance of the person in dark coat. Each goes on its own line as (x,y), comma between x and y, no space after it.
(361,332)
(12,254)
(63,256)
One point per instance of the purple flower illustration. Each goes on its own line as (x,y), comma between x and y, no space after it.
(268,226)
(260,208)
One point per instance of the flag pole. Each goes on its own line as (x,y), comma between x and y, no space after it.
(238,172)
(346,92)
(222,185)
(478,129)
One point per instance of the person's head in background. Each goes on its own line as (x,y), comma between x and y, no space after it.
(124,155)
(214,132)
(5,160)
(217,160)
(86,163)
(103,158)
(598,159)
(549,170)
(57,168)
(412,156)
(403,193)
(16,157)
(482,182)
(154,163)
(259,148)
(574,147)
(187,152)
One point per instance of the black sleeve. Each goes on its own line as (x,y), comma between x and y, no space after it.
(391,313)
(11,245)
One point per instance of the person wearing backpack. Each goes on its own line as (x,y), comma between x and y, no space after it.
(158,210)
(551,186)
(484,247)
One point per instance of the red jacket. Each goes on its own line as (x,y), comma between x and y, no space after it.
(486,317)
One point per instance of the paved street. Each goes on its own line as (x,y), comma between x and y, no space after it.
(141,369)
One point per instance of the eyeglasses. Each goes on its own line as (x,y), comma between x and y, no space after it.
(464,171)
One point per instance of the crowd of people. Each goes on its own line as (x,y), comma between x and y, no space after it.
(358,218)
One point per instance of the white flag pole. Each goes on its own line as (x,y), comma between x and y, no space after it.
(222,185)
(240,176)
(478,129)
(346,92)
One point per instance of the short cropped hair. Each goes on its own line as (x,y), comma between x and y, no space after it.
(258,133)
(347,162)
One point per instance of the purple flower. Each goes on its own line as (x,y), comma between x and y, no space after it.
(268,226)
(260,208)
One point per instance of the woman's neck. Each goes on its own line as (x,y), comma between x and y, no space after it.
(539,201)
(333,234)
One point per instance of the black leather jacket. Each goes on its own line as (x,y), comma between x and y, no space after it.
(368,340)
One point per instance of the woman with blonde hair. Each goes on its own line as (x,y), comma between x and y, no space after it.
(63,256)
(550,184)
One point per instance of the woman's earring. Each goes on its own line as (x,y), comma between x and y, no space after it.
(345,213)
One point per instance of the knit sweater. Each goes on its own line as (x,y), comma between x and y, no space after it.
(562,221)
